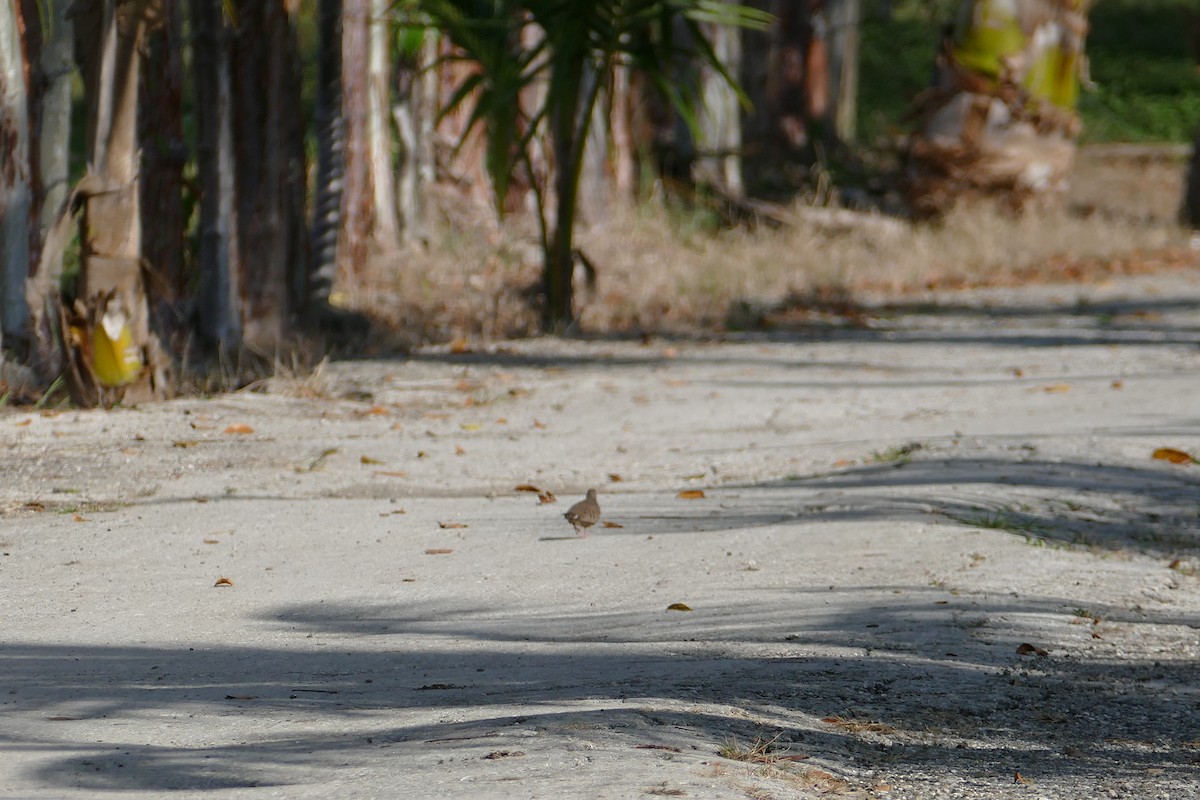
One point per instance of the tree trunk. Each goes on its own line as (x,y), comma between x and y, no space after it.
(217,308)
(415,114)
(1001,119)
(844,18)
(357,191)
(720,145)
(50,107)
(269,157)
(386,222)
(164,154)
(1190,213)
(15,193)
(330,136)
(123,351)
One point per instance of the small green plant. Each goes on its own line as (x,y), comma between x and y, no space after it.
(1003,519)
(898,454)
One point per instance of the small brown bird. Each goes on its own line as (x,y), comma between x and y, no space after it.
(584,514)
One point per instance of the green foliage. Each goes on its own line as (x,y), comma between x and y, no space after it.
(1147,88)
(572,61)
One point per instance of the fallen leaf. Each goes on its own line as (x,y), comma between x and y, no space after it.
(35,505)
(223,582)
(527,487)
(239,428)
(537,423)
(185,443)
(460,346)
(691,494)
(1027,649)
(439,551)
(614,477)
(1173,455)
(198,427)
(844,462)
(211,541)
(450,525)
(1057,388)
(80,518)
(459,451)
(1018,372)
(1118,384)
(501,420)
(470,426)
(368,460)
(679,607)
(610,524)
(23,423)
(546,497)
(373,411)
(695,477)
(1019,778)
(676,383)
(391,473)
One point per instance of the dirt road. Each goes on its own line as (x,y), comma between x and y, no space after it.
(931,557)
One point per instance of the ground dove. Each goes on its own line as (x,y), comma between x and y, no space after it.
(585,513)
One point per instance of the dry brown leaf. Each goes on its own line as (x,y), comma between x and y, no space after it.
(185,443)
(546,497)
(35,505)
(374,411)
(439,551)
(24,422)
(610,524)
(391,473)
(679,607)
(198,427)
(1117,384)
(239,428)
(368,460)
(614,477)
(844,462)
(452,525)
(1018,372)
(537,423)
(223,582)
(211,541)
(459,451)
(460,346)
(1019,778)
(1057,388)
(501,420)
(691,494)
(527,487)
(1173,455)
(80,518)
(1027,649)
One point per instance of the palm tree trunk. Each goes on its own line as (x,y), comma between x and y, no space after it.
(218,315)
(330,136)
(1190,213)
(110,281)
(15,194)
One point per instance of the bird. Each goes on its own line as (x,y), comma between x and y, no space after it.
(584,514)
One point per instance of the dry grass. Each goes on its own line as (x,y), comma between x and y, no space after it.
(661,270)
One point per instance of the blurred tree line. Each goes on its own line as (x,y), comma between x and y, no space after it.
(227,174)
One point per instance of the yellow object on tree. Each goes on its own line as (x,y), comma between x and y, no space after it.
(116,360)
